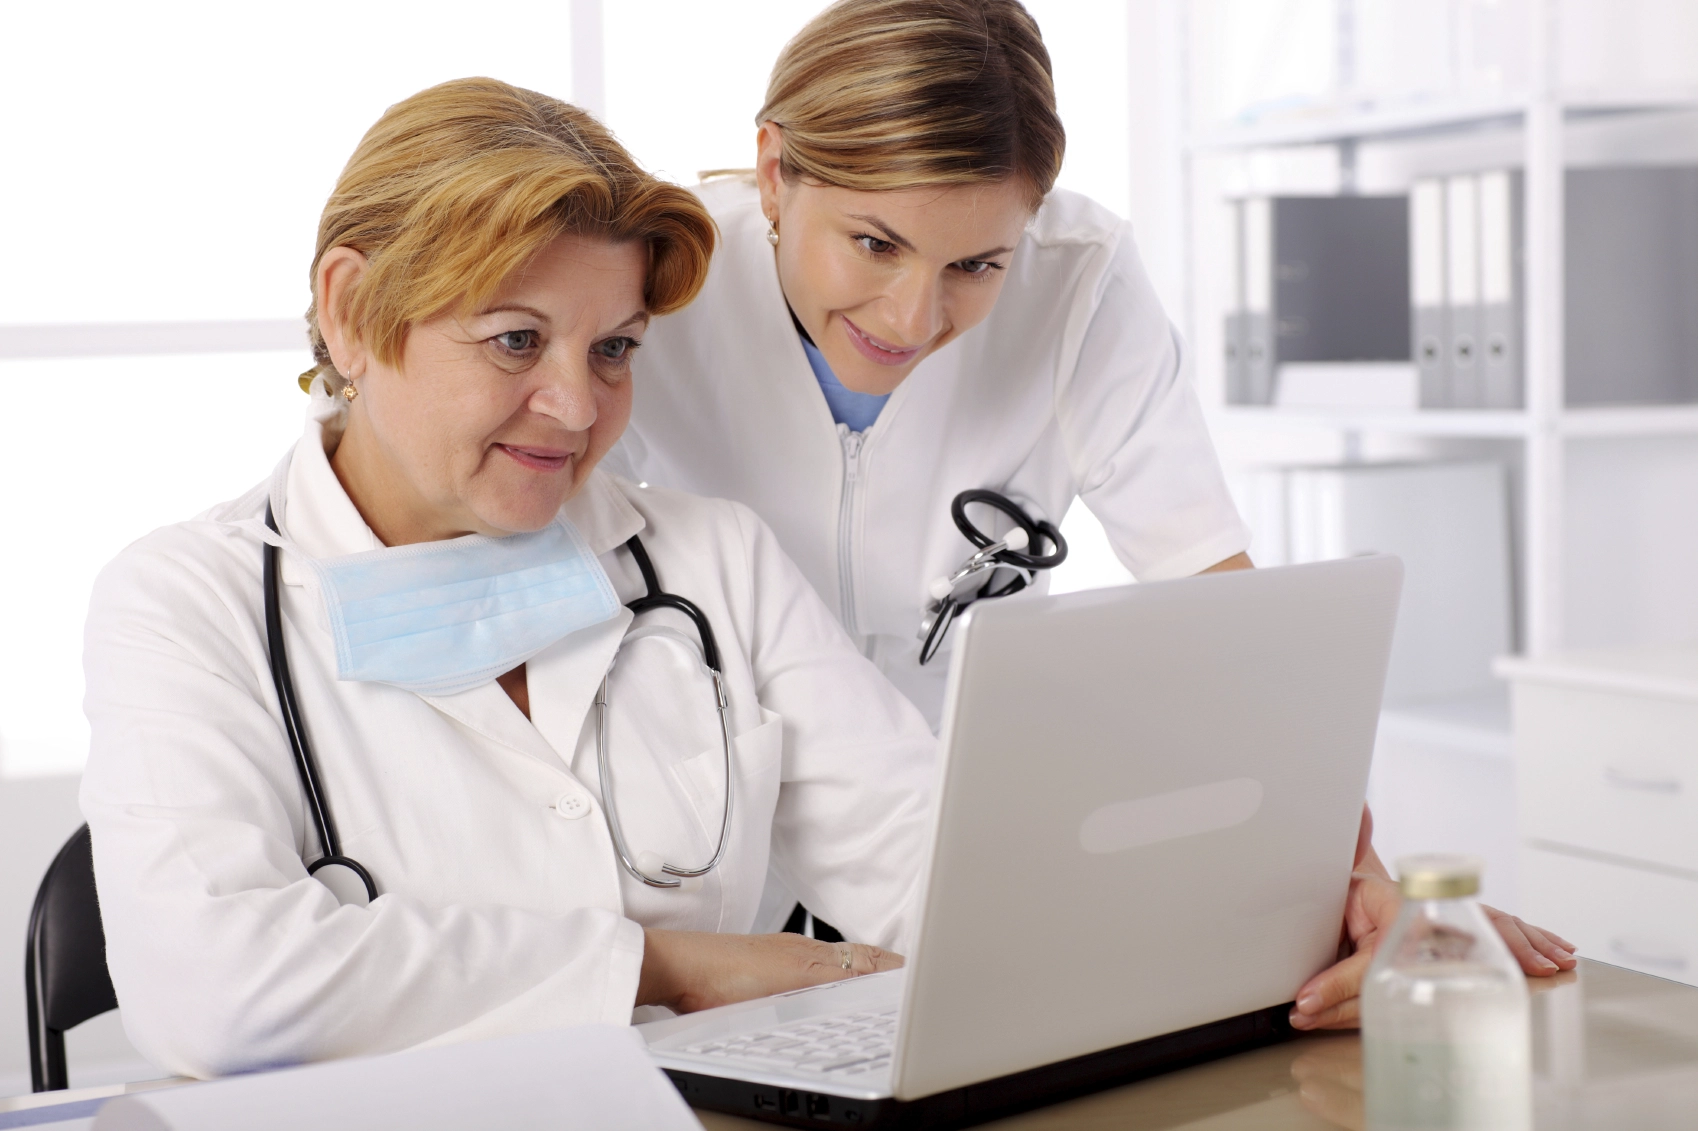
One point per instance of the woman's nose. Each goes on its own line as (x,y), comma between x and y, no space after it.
(566,393)
(916,308)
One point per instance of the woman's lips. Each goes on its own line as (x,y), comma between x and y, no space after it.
(875,350)
(537,459)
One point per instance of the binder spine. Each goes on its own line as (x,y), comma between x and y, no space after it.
(1237,391)
(1258,336)
(1428,321)
(1462,227)
(1501,288)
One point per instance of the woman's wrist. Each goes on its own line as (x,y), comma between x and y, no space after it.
(658,982)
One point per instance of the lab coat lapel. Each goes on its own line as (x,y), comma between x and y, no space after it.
(562,681)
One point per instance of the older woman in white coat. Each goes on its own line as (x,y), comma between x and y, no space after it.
(485,268)
(904,308)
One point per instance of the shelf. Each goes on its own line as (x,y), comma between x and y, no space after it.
(1330,126)
(1434,422)
(1635,420)
(1579,423)
(1327,126)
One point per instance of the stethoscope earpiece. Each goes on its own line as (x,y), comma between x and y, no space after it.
(971,580)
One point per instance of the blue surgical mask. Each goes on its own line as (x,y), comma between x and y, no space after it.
(439,618)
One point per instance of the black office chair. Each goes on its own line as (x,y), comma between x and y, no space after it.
(65,976)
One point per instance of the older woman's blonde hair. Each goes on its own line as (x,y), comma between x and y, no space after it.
(896,94)
(459,186)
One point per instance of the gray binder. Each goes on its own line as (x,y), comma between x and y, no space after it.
(1431,344)
(1258,339)
(1631,287)
(1236,391)
(1462,287)
(1502,280)
(1341,278)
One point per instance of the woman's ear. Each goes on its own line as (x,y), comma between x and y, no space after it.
(339,270)
(769,177)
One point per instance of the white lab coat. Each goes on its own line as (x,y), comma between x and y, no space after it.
(502,906)
(1072,387)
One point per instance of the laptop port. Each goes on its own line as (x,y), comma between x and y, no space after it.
(819,1107)
(766,1101)
(790,1102)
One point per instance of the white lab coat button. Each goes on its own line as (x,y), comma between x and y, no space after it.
(572,805)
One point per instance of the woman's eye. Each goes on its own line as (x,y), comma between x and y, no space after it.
(978,266)
(616,349)
(875,245)
(516,341)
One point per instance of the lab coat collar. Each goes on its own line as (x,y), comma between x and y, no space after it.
(316,513)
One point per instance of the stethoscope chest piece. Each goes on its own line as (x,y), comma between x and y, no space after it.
(997,567)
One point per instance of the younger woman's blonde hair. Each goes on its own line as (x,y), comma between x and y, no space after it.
(897,94)
(459,186)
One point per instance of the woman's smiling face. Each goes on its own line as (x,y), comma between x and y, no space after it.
(881,280)
(492,419)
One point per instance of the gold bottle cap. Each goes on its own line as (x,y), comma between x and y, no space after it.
(1439,877)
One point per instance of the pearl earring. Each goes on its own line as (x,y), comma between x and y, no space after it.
(772,231)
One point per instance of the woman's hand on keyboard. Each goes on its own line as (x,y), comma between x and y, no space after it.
(691,970)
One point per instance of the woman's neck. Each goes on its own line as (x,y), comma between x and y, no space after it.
(397,514)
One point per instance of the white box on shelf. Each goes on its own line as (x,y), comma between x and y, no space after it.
(1348,385)
(1449,522)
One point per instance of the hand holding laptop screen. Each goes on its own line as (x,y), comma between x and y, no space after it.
(1331,999)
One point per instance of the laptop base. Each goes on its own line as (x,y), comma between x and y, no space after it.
(990,1099)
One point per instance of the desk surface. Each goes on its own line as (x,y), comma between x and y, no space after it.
(1612,1050)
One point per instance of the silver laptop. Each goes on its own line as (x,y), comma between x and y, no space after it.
(1144,834)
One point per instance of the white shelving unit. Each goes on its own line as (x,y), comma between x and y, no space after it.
(1545,439)
(1545,427)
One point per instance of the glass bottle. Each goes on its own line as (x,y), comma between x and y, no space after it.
(1446,1043)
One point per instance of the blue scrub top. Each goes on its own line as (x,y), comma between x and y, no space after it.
(857,410)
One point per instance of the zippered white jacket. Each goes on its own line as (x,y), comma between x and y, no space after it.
(1073,387)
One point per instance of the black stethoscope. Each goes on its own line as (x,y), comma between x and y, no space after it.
(307,767)
(975,579)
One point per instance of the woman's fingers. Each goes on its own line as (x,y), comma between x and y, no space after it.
(1330,998)
(1539,955)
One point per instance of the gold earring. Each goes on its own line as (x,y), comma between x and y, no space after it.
(772,231)
(349,392)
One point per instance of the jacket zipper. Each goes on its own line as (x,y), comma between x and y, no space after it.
(846,527)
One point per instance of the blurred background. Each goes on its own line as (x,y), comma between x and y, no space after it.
(1436,261)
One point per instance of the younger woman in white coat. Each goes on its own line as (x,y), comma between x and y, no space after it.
(485,269)
(904,308)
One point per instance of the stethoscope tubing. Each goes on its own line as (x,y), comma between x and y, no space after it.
(295,727)
(306,766)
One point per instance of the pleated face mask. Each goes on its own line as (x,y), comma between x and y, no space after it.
(439,618)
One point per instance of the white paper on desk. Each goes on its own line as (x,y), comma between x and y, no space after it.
(597,1078)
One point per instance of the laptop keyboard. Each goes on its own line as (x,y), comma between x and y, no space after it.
(846,1044)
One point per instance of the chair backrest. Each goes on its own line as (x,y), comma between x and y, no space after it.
(65,976)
